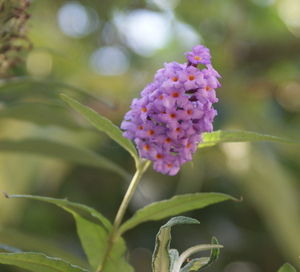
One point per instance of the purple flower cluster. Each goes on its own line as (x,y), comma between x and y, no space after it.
(167,122)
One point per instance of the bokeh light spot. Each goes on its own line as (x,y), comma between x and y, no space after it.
(166,4)
(289,12)
(186,35)
(109,61)
(39,63)
(289,97)
(238,156)
(144,31)
(77,21)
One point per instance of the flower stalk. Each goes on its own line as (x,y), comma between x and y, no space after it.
(113,236)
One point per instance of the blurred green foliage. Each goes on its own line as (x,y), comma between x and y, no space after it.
(255,47)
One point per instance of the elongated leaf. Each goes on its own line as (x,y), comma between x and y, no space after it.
(38,262)
(195,264)
(103,124)
(173,206)
(63,151)
(214,254)
(83,211)
(9,249)
(200,263)
(287,268)
(41,114)
(92,227)
(26,84)
(161,260)
(224,136)
(36,243)
(115,260)
(174,254)
(93,240)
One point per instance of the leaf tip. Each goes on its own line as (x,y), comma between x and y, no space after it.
(5,194)
(62,96)
(241,199)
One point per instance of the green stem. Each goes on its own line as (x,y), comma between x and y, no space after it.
(112,238)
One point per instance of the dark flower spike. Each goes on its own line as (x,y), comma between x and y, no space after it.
(167,122)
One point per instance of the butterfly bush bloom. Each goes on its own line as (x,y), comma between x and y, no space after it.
(167,122)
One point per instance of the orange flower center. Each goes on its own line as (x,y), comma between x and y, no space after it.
(159,156)
(175,79)
(177,129)
(140,127)
(175,94)
(207,88)
(173,115)
(160,97)
(147,147)
(168,140)
(189,112)
(191,77)
(143,109)
(151,132)
(197,58)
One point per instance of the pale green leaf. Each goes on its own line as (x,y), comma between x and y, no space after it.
(38,262)
(103,124)
(174,255)
(200,263)
(41,114)
(175,205)
(63,151)
(92,227)
(36,243)
(93,240)
(161,260)
(115,260)
(9,249)
(190,251)
(23,84)
(195,264)
(287,268)
(224,136)
(83,211)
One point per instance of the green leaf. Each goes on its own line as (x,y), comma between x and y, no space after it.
(115,260)
(197,264)
(36,243)
(10,249)
(81,210)
(287,268)
(103,124)
(175,205)
(38,262)
(93,240)
(174,255)
(92,227)
(63,151)
(41,114)
(214,254)
(200,263)
(161,260)
(29,84)
(224,136)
